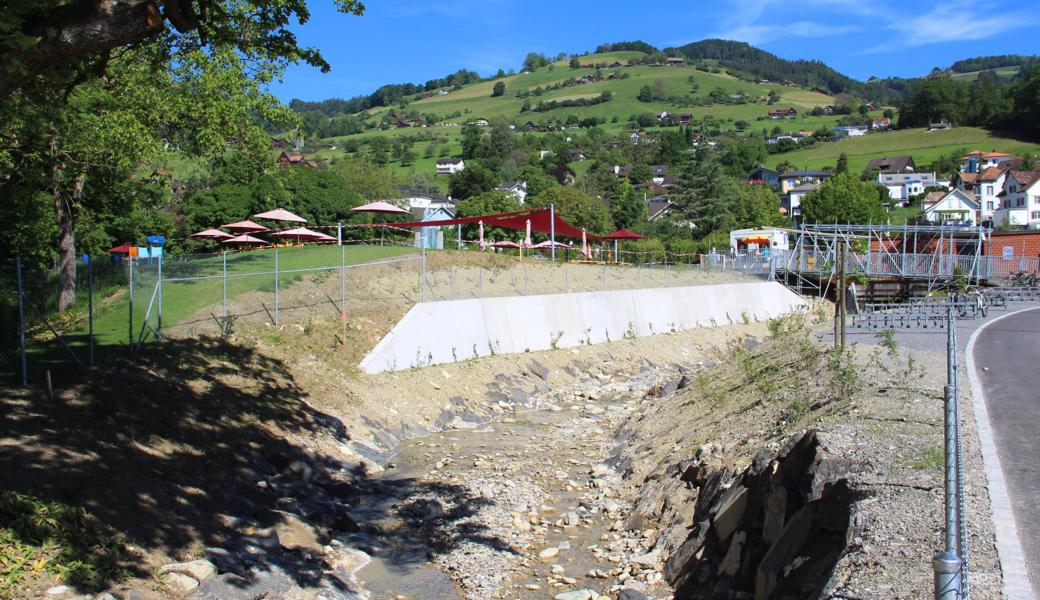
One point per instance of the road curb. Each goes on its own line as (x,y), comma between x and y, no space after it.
(1009,549)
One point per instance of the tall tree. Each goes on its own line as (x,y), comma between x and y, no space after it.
(843,199)
(629,210)
(575,207)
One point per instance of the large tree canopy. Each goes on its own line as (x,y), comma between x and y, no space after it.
(844,199)
(67,41)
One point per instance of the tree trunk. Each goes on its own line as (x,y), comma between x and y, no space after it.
(63,213)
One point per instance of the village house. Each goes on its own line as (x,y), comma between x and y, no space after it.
(782,113)
(789,181)
(977,161)
(881,124)
(294,160)
(901,186)
(481,122)
(676,61)
(792,202)
(952,207)
(1019,200)
(280,143)
(660,172)
(450,166)
(529,126)
(576,155)
(761,174)
(517,189)
(939,125)
(843,131)
(564,175)
(419,199)
(657,207)
(988,186)
(892,164)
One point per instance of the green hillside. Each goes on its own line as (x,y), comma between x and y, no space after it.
(924,146)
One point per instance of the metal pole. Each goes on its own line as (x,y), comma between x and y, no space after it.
(277,317)
(603,275)
(552,229)
(842,285)
(131,299)
(339,234)
(458,228)
(224,288)
(21,321)
(90,309)
(947,565)
(453,283)
(343,291)
(158,316)
(566,279)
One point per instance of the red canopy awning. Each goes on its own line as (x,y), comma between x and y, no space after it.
(120,249)
(623,234)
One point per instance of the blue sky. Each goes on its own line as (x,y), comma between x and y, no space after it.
(400,41)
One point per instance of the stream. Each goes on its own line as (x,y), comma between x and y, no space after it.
(523,507)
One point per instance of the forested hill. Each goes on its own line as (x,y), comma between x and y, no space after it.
(985,63)
(745,57)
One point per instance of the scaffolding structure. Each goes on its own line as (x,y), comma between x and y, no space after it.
(929,255)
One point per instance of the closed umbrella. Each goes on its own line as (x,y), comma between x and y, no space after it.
(585,245)
(480,227)
(527,236)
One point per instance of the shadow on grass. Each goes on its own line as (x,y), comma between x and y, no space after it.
(166,448)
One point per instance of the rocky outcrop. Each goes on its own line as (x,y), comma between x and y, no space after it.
(775,530)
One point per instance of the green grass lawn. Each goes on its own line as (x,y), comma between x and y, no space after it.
(923,146)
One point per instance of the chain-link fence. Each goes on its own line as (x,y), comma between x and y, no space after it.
(120,304)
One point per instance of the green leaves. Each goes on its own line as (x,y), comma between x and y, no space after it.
(843,199)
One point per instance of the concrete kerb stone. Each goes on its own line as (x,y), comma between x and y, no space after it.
(1009,549)
(450,331)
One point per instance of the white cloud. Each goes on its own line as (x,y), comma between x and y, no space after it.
(762,34)
(954,22)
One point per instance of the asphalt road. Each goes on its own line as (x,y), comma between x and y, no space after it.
(1007,358)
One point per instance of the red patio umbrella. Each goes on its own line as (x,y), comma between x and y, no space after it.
(211,234)
(280,214)
(622,234)
(243,239)
(246,227)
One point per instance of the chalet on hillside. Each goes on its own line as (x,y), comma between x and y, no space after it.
(480,122)
(657,207)
(294,160)
(280,143)
(882,123)
(676,61)
(893,164)
(782,113)
(450,166)
(529,126)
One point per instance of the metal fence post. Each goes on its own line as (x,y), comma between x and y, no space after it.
(343,291)
(90,309)
(130,260)
(603,275)
(277,318)
(224,291)
(158,316)
(21,321)
(947,565)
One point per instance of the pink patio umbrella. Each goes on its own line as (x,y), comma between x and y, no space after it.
(585,245)
(211,234)
(504,244)
(245,227)
(527,236)
(244,239)
(380,207)
(480,226)
(280,214)
(302,234)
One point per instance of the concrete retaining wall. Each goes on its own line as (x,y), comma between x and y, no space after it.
(439,332)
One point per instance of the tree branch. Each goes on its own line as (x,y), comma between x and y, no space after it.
(86,29)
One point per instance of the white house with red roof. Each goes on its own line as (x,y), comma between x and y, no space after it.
(978,161)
